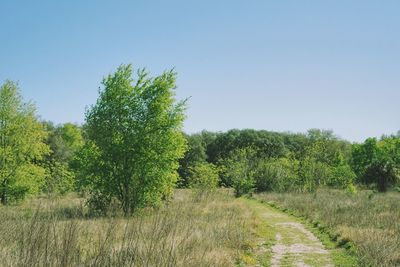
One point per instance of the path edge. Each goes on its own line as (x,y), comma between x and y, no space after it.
(343,251)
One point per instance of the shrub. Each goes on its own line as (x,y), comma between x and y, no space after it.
(203,177)
(313,174)
(377,162)
(239,170)
(341,176)
(277,175)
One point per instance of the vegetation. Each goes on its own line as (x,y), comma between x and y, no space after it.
(378,162)
(130,155)
(204,177)
(134,141)
(64,142)
(367,219)
(21,146)
(284,162)
(59,232)
(239,170)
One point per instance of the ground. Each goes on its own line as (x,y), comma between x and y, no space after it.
(284,240)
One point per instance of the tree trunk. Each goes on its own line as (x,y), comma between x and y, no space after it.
(3,193)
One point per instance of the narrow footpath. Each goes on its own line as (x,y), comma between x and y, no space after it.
(286,241)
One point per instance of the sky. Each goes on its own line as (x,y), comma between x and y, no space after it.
(274,65)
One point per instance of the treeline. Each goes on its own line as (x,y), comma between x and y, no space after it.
(131,151)
(250,160)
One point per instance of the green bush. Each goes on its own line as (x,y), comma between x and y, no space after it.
(341,176)
(377,162)
(203,176)
(239,170)
(313,174)
(277,175)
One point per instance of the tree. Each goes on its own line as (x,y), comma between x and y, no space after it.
(203,177)
(278,175)
(267,144)
(134,140)
(64,141)
(21,146)
(195,154)
(238,170)
(377,162)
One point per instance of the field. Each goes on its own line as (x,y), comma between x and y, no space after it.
(209,231)
(371,221)
(213,229)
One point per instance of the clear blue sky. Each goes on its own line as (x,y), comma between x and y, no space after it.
(275,65)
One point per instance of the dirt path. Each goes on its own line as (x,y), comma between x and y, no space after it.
(286,241)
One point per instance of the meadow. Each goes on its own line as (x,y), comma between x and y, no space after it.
(367,222)
(104,193)
(210,230)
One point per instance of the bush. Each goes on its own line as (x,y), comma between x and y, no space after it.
(377,162)
(341,176)
(239,170)
(203,177)
(277,175)
(313,174)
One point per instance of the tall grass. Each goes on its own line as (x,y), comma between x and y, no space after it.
(370,220)
(210,231)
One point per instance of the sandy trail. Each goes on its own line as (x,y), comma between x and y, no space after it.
(294,244)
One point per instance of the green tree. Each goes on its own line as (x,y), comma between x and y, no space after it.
(313,173)
(21,146)
(279,175)
(342,176)
(377,162)
(238,170)
(195,154)
(267,144)
(64,141)
(134,140)
(203,176)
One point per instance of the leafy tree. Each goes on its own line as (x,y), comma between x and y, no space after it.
(21,146)
(295,143)
(267,144)
(64,141)
(203,177)
(195,155)
(279,175)
(59,180)
(342,176)
(239,169)
(134,140)
(377,162)
(313,173)
(324,146)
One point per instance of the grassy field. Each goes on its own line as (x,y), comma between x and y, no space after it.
(369,220)
(211,231)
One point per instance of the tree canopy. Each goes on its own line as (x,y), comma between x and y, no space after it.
(21,146)
(135,140)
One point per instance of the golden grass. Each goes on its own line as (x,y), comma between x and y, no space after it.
(211,231)
(369,220)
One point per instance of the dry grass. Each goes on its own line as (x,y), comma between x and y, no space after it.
(371,221)
(212,231)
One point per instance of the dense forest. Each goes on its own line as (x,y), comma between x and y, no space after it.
(127,151)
